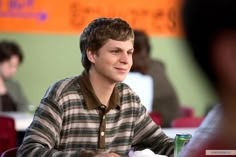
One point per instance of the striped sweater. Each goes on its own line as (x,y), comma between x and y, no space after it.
(71,122)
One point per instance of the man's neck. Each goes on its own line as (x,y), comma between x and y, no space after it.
(102,88)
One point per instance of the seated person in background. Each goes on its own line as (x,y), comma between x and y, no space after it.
(12,97)
(165,100)
(210,29)
(94,114)
(137,78)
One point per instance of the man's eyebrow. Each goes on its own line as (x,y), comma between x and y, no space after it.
(115,47)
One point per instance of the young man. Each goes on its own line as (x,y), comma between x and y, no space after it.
(93,114)
(210,28)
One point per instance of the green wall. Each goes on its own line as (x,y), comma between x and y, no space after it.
(49,58)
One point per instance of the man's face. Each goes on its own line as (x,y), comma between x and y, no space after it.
(9,67)
(113,60)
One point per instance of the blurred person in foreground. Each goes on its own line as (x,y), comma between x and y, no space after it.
(210,28)
(165,100)
(94,114)
(12,97)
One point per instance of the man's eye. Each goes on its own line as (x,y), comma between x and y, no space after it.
(130,52)
(115,51)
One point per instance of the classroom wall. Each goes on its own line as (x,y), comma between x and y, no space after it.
(49,58)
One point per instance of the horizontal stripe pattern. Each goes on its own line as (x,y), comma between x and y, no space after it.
(63,125)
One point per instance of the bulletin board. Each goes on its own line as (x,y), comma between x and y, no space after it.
(156,17)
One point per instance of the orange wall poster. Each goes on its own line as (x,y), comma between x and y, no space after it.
(156,17)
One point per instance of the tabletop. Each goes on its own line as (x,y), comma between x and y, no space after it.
(22,119)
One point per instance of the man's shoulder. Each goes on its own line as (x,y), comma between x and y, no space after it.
(63,86)
(125,90)
(121,86)
(68,80)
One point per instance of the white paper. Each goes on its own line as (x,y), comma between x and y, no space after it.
(144,153)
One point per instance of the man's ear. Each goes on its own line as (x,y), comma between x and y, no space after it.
(90,55)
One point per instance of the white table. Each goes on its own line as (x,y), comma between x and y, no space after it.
(22,120)
(171,132)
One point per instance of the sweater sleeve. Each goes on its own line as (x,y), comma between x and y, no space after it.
(149,135)
(43,135)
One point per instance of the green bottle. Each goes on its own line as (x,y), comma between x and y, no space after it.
(180,141)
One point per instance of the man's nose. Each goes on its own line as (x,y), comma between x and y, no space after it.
(124,58)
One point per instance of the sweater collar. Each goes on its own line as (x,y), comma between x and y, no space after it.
(91,100)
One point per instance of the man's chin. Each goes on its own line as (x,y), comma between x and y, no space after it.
(121,79)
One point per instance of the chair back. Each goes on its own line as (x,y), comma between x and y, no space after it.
(8,135)
(187,122)
(156,117)
(10,152)
(187,111)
